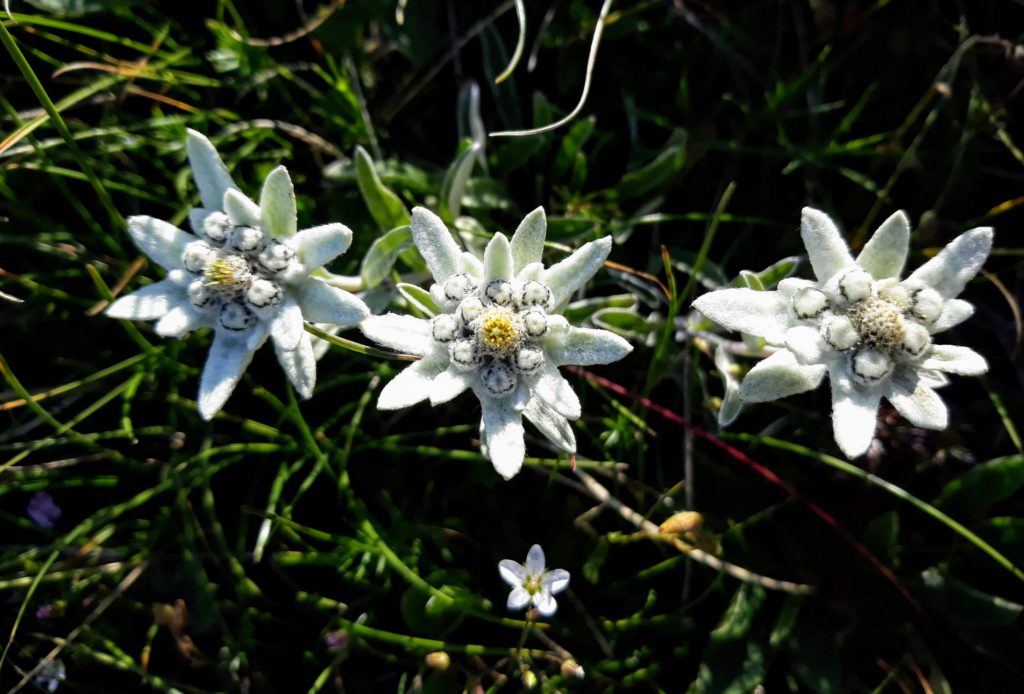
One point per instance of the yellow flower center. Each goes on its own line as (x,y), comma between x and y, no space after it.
(879,323)
(227,273)
(499,329)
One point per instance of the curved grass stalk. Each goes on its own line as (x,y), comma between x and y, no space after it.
(357,347)
(595,42)
(900,493)
(520,44)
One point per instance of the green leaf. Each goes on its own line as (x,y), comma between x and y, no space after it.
(786,621)
(572,143)
(739,615)
(751,280)
(455,181)
(655,173)
(386,208)
(419,297)
(976,490)
(814,653)
(383,252)
(736,667)
(579,311)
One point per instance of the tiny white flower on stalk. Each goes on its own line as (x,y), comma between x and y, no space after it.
(246,272)
(533,582)
(499,333)
(859,322)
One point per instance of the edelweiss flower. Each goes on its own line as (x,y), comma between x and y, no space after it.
(499,334)
(870,330)
(533,582)
(246,273)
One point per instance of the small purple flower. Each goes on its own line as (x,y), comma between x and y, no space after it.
(43,510)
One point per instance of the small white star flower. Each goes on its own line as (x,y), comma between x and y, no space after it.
(868,329)
(499,333)
(533,582)
(245,272)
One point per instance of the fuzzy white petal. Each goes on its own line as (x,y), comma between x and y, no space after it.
(277,205)
(779,376)
(286,324)
(503,428)
(180,318)
(955,359)
(954,312)
(854,416)
(241,210)
(435,244)
(317,246)
(228,358)
(956,264)
(807,345)
(410,386)
(551,424)
(551,386)
(401,333)
(149,303)
(825,246)
(518,598)
(885,253)
(921,406)
(471,265)
(162,242)
(449,384)
(528,240)
(322,303)
(555,580)
(566,277)
(584,346)
(208,169)
(761,314)
(512,572)
(299,365)
(498,259)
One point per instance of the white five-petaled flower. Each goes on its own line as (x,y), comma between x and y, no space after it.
(863,325)
(245,272)
(498,333)
(533,582)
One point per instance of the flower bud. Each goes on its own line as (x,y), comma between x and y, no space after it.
(438,660)
(682,522)
(499,292)
(855,285)
(457,287)
(444,328)
(570,668)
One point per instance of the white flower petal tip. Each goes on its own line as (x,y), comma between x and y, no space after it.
(208,169)
(761,314)
(498,259)
(149,303)
(503,431)
(885,253)
(586,347)
(317,246)
(164,243)
(322,303)
(922,407)
(854,417)
(225,364)
(277,205)
(955,359)
(299,366)
(528,240)
(533,582)
(956,264)
(435,243)
(411,386)
(780,376)
(241,210)
(566,277)
(406,334)
(825,246)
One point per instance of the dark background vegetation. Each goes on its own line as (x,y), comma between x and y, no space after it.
(858,108)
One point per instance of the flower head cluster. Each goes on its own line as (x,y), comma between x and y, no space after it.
(871,331)
(498,332)
(245,272)
(533,582)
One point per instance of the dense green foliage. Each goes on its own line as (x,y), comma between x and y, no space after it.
(325,546)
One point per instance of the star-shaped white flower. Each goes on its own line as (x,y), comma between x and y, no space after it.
(499,333)
(245,272)
(863,325)
(533,582)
